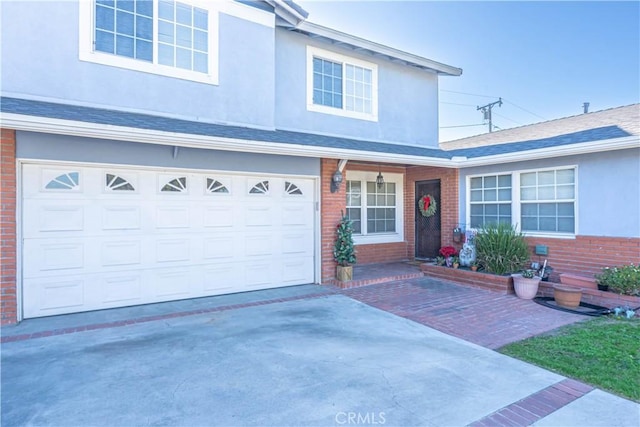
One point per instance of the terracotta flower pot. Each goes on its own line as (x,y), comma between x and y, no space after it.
(567,296)
(525,288)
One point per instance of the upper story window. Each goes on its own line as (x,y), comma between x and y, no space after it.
(173,38)
(537,202)
(340,85)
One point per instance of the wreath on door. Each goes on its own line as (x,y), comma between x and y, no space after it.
(427,205)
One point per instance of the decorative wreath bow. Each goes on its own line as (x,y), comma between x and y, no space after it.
(427,205)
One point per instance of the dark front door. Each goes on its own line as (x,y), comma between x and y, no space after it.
(427,228)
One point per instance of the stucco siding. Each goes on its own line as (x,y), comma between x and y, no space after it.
(407,97)
(51,69)
(607,186)
(69,148)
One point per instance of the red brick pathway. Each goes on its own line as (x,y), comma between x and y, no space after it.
(487,318)
(536,406)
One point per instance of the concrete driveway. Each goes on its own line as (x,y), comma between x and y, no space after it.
(323,360)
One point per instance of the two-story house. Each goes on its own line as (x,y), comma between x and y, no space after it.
(156,150)
(160,150)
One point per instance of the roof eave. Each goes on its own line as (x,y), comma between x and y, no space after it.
(612,144)
(344,39)
(29,123)
(290,15)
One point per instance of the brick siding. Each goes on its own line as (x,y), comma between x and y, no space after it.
(8,298)
(586,255)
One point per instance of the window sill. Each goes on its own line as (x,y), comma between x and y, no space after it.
(549,235)
(373,239)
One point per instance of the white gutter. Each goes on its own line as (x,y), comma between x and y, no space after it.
(612,144)
(121,133)
(410,58)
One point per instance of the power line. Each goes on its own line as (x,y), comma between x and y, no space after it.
(461,126)
(455,103)
(525,110)
(511,120)
(467,93)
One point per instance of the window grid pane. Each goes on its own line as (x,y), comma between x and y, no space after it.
(548,201)
(327,83)
(124,28)
(359,91)
(354,205)
(490,200)
(183,36)
(381,213)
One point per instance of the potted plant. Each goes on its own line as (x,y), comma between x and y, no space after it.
(526,284)
(440,260)
(344,252)
(455,262)
(474,266)
(448,252)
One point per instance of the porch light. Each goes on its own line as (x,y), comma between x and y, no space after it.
(336,180)
(379,180)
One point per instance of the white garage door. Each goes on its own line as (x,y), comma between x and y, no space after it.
(101,237)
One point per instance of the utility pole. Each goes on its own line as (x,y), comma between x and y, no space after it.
(486,111)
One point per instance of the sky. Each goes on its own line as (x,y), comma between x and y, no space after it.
(544,59)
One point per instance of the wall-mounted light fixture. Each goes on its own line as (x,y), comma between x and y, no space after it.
(337,178)
(379,179)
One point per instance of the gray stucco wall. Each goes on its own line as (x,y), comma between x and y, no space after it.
(41,60)
(38,146)
(407,97)
(608,190)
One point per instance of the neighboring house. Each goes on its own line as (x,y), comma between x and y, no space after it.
(189,149)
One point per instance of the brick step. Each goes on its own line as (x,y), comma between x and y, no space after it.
(373,281)
(477,279)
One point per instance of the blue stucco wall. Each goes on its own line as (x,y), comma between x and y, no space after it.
(407,97)
(40,59)
(608,189)
(36,146)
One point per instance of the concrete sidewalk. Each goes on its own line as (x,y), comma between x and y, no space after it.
(292,356)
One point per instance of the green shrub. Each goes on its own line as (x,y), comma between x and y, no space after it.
(500,249)
(624,280)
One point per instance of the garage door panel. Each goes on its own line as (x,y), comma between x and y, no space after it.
(50,297)
(221,278)
(172,217)
(297,270)
(170,283)
(119,217)
(297,244)
(172,250)
(121,253)
(119,289)
(220,247)
(110,236)
(218,216)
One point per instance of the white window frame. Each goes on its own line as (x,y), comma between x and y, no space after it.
(87,52)
(314,52)
(391,237)
(516,201)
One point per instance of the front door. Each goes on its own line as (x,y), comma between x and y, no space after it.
(427,228)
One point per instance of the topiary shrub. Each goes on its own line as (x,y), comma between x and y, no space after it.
(500,249)
(624,280)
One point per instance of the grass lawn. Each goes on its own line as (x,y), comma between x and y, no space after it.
(603,352)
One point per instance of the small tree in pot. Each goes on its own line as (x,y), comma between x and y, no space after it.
(344,252)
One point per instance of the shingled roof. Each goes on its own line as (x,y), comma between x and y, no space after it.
(548,139)
(604,124)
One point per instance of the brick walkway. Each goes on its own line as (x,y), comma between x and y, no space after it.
(483,317)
